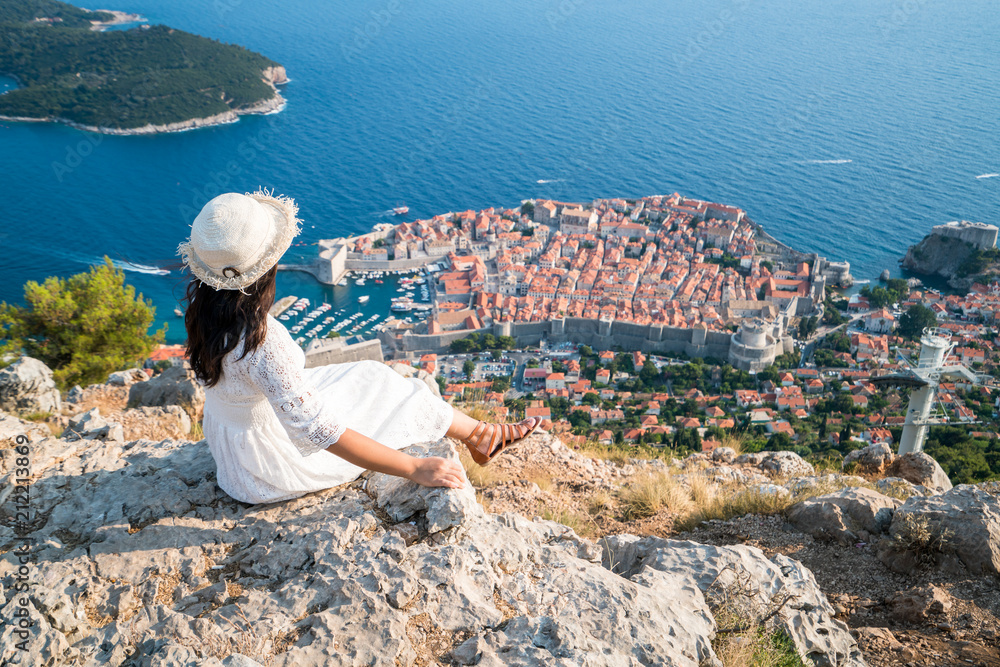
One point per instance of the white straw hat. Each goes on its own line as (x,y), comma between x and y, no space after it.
(237,238)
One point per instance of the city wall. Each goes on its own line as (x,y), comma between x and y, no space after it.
(599,334)
(354,262)
(334,351)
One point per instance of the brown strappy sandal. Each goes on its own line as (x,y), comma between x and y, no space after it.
(502,436)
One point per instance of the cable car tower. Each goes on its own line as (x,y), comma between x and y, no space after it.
(933,367)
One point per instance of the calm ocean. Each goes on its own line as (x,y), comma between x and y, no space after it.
(846,127)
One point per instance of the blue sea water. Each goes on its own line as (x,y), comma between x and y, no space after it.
(846,127)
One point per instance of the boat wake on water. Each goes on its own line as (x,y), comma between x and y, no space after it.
(122,264)
(824,161)
(551,180)
(988,176)
(138,268)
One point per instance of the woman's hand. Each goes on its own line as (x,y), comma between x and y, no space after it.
(435,471)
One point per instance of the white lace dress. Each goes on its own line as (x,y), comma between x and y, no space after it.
(269,419)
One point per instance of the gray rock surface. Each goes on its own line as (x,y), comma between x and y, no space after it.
(27,386)
(917,605)
(785,463)
(143,560)
(872,459)
(920,469)
(174,386)
(960,527)
(717,572)
(841,515)
(147,423)
(724,454)
(90,425)
(831,481)
(898,486)
(127,377)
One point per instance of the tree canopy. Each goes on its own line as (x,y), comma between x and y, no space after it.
(120,78)
(83,327)
(914,320)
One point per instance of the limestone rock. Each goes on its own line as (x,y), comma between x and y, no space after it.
(147,423)
(127,377)
(785,464)
(898,486)
(724,454)
(11,427)
(27,386)
(958,527)
(842,514)
(917,605)
(377,572)
(769,490)
(728,475)
(808,617)
(873,459)
(444,508)
(830,482)
(174,386)
(90,425)
(919,468)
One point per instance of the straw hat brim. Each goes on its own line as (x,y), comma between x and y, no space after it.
(284,212)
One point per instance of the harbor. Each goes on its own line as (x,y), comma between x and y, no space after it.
(356,308)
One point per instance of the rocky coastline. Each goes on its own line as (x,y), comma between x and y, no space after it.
(273,76)
(120,18)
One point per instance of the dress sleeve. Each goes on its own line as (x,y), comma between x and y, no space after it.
(278,372)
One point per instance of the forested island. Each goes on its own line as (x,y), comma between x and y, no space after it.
(139,81)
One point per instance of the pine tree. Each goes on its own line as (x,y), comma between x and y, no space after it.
(83,327)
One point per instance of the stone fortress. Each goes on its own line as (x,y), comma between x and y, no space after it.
(981,235)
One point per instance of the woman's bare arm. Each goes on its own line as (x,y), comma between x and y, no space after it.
(367,453)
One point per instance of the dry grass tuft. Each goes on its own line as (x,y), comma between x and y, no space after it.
(915,534)
(648,494)
(734,441)
(727,503)
(480,476)
(544,482)
(747,636)
(582,525)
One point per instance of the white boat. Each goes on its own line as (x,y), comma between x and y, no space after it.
(363,299)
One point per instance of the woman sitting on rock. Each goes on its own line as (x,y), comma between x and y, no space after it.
(276,429)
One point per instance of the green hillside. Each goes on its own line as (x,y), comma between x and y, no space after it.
(119,79)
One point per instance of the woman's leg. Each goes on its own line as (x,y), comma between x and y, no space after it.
(461,425)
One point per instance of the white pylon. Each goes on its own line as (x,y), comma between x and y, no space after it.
(925,377)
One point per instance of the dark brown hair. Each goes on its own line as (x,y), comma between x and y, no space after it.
(215,320)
